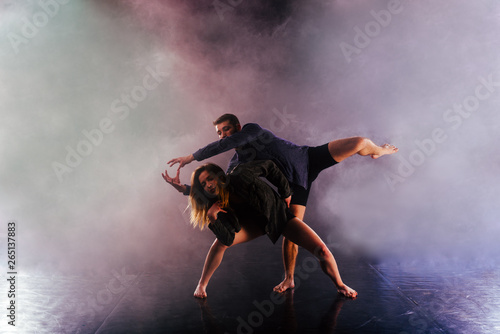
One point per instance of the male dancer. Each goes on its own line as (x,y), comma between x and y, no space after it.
(300,165)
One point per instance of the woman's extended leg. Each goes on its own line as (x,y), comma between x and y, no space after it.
(298,232)
(216,253)
(212,262)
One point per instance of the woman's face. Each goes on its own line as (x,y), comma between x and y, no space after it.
(208,183)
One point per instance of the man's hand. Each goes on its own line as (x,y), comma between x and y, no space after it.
(214,210)
(288,200)
(175,182)
(182,161)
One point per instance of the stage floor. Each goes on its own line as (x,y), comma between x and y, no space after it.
(157,298)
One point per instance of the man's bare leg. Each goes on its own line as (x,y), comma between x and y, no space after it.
(289,252)
(344,148)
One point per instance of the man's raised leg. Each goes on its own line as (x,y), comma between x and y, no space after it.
(341,149)
(289,253)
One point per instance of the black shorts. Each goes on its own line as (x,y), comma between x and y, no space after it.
(319,159)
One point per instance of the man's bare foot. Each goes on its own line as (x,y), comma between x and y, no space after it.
(287,283)
(385,149)
(347,291)
(200,292)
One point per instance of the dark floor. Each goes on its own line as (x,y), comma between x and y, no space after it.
(158,299)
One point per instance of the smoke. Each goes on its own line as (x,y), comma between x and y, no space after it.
(96,97)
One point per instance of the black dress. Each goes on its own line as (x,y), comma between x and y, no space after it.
(256,200)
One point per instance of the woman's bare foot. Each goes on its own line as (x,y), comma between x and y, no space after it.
(385,149)
(347,291)
(200,292)
(287,283)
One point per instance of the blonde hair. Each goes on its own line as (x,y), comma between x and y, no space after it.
(198,198)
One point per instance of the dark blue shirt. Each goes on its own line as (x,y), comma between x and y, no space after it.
(256,143)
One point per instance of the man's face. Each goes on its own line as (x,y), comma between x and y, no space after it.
(226,129)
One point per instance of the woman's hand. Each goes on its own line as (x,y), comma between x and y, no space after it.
(214,210)
(174,182)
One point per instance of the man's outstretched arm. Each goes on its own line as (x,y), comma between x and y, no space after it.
(247,134)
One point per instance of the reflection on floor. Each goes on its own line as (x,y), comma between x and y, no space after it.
(157,298)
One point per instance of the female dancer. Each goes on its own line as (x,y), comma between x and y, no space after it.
(240,206)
